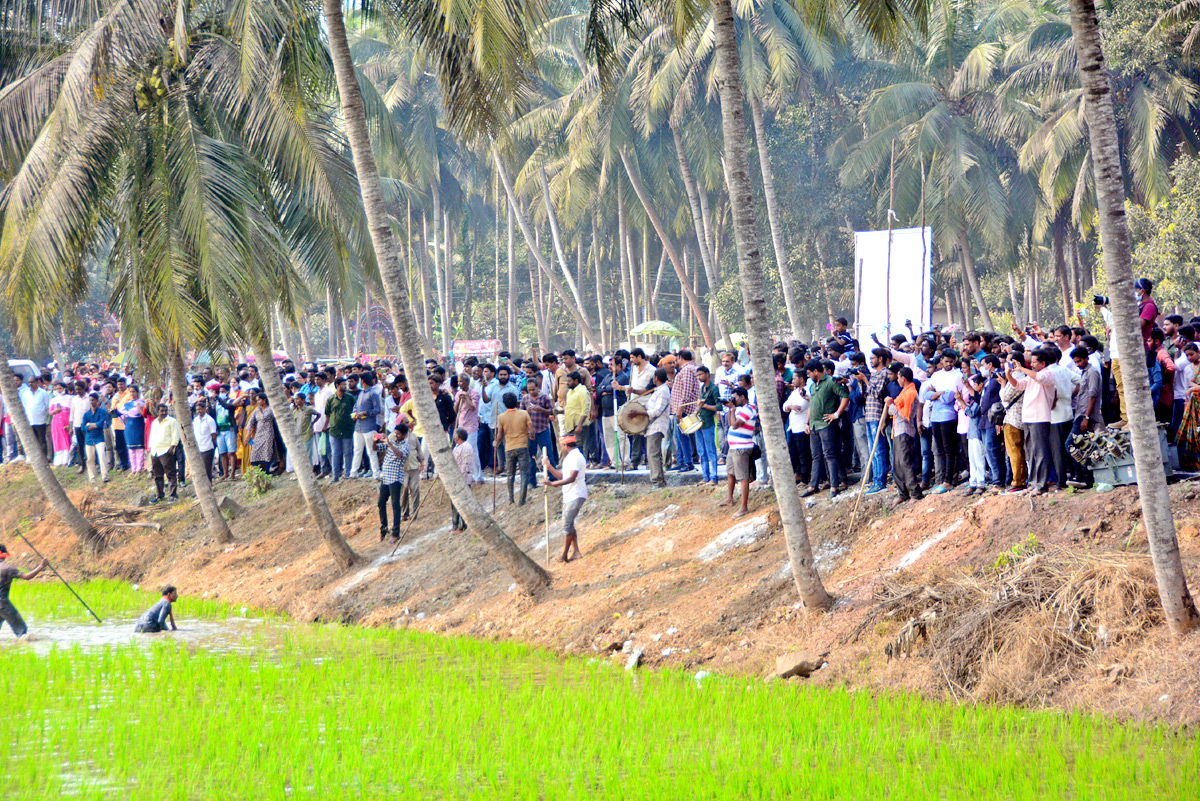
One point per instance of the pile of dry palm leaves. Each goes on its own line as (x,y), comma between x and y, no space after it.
(110,520)
(1016,630)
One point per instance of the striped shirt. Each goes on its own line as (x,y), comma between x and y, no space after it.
(742,438)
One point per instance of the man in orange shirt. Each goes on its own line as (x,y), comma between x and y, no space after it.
(905,413)
(122,396)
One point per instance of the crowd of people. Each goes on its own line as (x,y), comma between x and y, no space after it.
(923,412)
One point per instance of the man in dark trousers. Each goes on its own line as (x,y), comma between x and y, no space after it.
(8,612)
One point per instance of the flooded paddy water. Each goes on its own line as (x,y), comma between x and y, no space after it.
(241,705)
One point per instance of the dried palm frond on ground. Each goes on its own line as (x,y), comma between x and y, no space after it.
(1015,631)
(109,519)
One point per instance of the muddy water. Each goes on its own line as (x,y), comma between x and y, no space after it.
(234,634)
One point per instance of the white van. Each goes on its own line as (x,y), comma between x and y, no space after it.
(24,368)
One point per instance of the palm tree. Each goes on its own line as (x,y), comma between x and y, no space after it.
(1178,605)
(948,117)
(174,162)
(523,569)
(67,512)
(1158,97)
(741,199)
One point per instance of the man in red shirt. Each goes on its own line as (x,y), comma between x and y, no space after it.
(1147,310)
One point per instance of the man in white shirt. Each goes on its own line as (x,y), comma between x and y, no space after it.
(204,426)
(641,383)
(163,440)
(36,403)
(573,479)
(321,421)
(1185,375)
(79,407)
(1062,416)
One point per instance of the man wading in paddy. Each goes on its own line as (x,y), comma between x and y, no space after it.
(8,612)
(574,483)
(156,617)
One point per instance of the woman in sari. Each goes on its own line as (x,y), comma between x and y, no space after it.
(61,434)
(1188,438)
(134,412)
(261,433)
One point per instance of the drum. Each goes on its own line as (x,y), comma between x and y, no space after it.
(633,424)
(690,424)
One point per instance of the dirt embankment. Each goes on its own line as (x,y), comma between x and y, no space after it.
(1069,618)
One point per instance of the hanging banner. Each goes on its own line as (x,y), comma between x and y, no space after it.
(476,347)
(891,284)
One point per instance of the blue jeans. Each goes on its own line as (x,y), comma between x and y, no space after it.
(881,459)
(541,442)
(1177,407)
(706,448)
(683,450)
(341,452)
(927,456)
(993,454)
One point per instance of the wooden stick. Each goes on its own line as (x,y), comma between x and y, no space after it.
(866,472)
(60,578)
(546,509)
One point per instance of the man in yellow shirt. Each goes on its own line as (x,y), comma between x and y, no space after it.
(163,440)
(577,407)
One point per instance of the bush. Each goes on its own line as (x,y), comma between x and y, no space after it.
(260,483)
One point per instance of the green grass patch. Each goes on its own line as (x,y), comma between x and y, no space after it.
(49,600)
(307,711)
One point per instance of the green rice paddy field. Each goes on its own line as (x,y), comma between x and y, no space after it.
(275,709)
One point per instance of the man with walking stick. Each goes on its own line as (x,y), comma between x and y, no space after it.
(8,612)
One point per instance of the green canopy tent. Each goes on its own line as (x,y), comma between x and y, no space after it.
(656,328)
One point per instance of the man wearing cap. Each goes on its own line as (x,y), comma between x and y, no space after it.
(8,612)
(163,440)
(572,478)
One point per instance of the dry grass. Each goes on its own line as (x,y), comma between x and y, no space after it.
(1017,631)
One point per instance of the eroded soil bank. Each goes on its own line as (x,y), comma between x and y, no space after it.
(1067,619)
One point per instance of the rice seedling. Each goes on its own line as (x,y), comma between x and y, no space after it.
(323,711)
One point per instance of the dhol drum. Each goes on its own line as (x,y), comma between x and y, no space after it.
(632,419)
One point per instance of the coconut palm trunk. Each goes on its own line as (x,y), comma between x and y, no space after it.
(536,252)
(702,240)
(968,265)
(435,240)
(35,456)
(524,570)
(745,229)
(1178,605)
(513,335)
(781,257)
(669,247)
(556,240)
(285,418)
(183,415)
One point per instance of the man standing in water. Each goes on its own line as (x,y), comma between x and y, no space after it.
(573,480)
(156,617)
(8,612)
